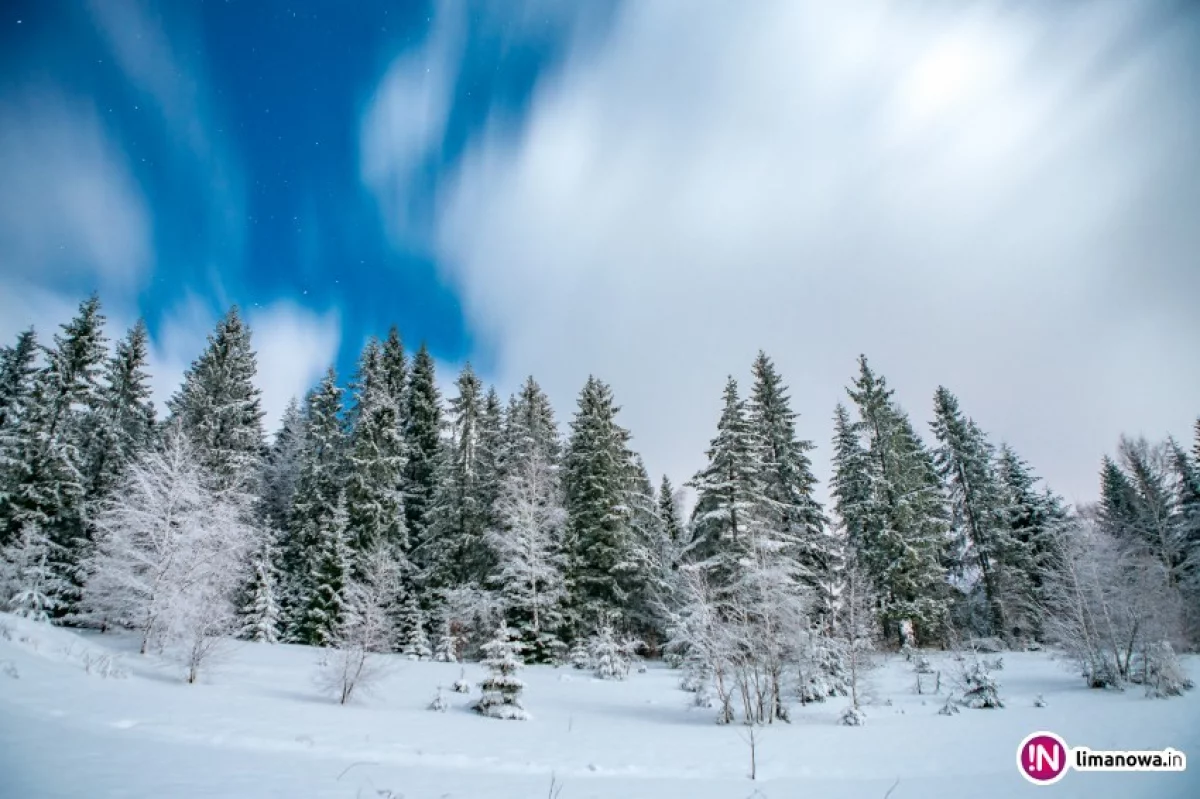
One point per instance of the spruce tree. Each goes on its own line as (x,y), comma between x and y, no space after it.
(29,584)
(319,486)
(46,472)
(17,371)
(530,428)
(125,424)
(1118,500)
(376,460)
(219,406)
(905,524)
(327,605)
(260,612)
(459,517)
(394,364)
(668,511)
(785,472)
(423,440)
(964,463)
(501,689)
(410,625)
(1155,528)
(281,470)
(601,566)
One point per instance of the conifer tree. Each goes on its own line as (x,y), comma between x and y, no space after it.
(905,521)
(327,605)
(394,364)
(964,462)
(376,460)
(260,613)
(1155,527)
(219,406)
(668,511)
(423,440)
(17,371)
(728,497)
(281,469)
(29,586)
(459,517)
(1118,500)
(501,689)
(410,625)
(530,428)
(45,475)
(125,424)
(319,486)
(785,473)
(600,563)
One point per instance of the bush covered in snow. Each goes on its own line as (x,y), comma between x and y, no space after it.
(501,689)
(1163,674)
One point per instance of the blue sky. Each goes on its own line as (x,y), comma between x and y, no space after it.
(999,197)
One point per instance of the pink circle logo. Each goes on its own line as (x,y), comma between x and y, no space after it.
(1042,758)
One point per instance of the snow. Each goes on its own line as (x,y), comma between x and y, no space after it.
(257,726)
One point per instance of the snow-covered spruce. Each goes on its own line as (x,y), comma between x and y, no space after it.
(606,654)
(853,716)
(979,689)
(446,650)
(439,703)
(29,586)
(462,685)
(414,643)
(260,615)
(501,689)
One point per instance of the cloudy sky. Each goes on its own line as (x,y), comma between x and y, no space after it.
(1000,197)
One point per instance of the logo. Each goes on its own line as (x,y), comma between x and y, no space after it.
(1042,758)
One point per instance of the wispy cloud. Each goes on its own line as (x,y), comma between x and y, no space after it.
(68,205)
(994,198)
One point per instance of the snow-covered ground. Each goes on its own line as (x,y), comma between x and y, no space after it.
(256,726)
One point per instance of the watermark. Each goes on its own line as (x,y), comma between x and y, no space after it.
(1044,758)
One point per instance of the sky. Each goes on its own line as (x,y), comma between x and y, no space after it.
(1003,198)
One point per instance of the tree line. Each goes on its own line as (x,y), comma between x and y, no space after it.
(385,515)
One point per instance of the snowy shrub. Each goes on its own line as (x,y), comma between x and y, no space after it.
(979,689)
(994,665)
(949,708)
(1039,701)
(853,717)
(28,585)
(461,685)
(5,631)
(446,650)
(1163,674)
(990,645)
(608,656)
(414,643)
(103,665)
(579,656)
(439,703)
(364,629)
(821,668)
(922,665)
(501,689)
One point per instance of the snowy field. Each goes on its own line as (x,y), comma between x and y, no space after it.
(256,726)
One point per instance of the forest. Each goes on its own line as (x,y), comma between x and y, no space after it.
(382,517)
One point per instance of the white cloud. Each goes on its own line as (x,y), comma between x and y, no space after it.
(68,205)
(295,346)
(1001,200)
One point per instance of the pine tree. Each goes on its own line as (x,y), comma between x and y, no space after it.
(964,464)
(327,606)
(260,613)
(17,371)
(1118,500)
(219,406)
(281,470)
(905,521)
(319,485)
(530,428)
(600,561)
(125,424)
(29,586)
(728,498)
(394,364)
(376,460)
(410,624)
(45,475)
(1154,528)
(459,516)
(785,472)
(1032,519)
(668,511)
(423,439)
(501,689)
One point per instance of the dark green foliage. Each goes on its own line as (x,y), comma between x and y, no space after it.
(423,448)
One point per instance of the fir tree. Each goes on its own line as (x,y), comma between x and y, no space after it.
(905,523)
(29,586)
(319,485)
(964,463)
(125,423)
(785,473)
(281,469)
(459,516)
(501,689)
(668,511)
(17,371)
(530,428)
(600,560)
(260,613)
(219,406)
(376,460)
(394,365)
(1118,500)
(327,606)
(410,625)
(423,439)
(45,474)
